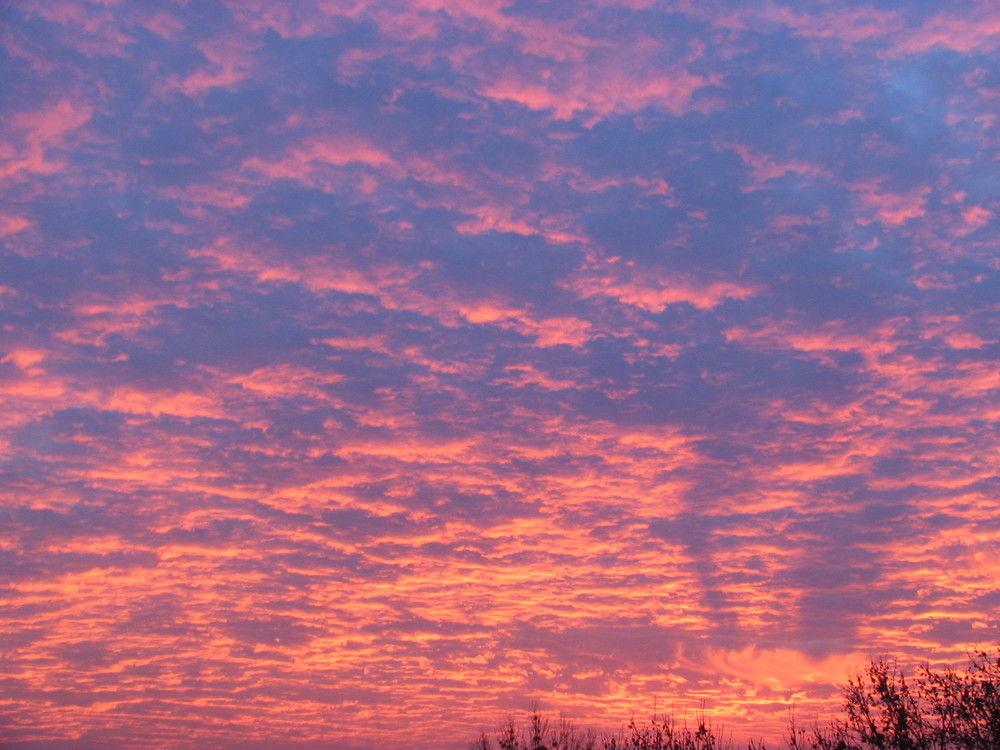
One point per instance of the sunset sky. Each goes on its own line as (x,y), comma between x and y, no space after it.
(370,369)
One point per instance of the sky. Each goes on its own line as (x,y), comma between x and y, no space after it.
(370,369)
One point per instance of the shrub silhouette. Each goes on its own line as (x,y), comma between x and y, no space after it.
(659,733)
(665,733)
(540,735)
(882,710)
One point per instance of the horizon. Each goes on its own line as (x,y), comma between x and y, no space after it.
(372,370)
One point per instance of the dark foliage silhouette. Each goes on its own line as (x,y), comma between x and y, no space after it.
(937,710)
(943,709)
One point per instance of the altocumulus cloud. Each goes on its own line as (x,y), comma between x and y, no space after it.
(371,369)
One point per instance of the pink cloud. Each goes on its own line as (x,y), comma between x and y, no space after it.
(297,20)
(505,218)
(894,209)
(93,29)
(325,273)
(655,293)
(763,167)
(26,359)
(227,196)
(308,162)
(230,62)
(960,33)
(164,23)
(877,347)
(159,402)
(559,69)
(11,224)
(39,133)
(976,216)
(527,375)
(547,331)
(953,330)
(598,90)
(849,25)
